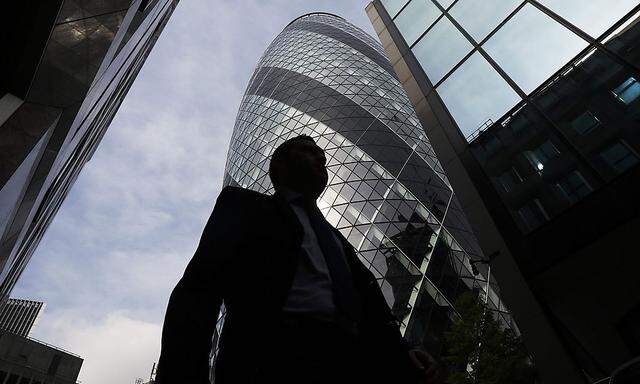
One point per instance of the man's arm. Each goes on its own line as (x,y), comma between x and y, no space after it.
(195,301)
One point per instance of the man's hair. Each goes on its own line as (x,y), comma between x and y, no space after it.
(280,157)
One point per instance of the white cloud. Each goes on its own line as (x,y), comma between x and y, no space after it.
(117,349)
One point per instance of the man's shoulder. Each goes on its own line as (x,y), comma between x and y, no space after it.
(241,195)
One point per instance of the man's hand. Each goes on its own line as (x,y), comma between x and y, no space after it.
(427,366)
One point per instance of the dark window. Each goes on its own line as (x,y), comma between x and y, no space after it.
(628,91)
(533,214)
(491,145)
(53,367)
(509,179)
(540,155)
(619,157)
(25,380)
(13,379)
(574,187)
(3,375)
(585,123)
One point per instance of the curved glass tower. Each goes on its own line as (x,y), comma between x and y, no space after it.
(387,192)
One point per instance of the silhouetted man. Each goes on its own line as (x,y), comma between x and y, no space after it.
(301,307)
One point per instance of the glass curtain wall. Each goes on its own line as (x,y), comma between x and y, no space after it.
(546,92)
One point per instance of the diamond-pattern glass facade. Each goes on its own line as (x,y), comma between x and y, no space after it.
(387,192)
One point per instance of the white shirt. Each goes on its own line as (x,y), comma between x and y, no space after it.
(311,291)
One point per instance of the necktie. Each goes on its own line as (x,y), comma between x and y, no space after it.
(344,292)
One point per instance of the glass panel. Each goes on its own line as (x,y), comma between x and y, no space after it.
(509,179)
(416,18)
(574,187)
(532,215)
(441,49)
(532,46)
(475,93)
(591,104)
(445,3)
(542,154)
(478,19)
(393,6)
(628,91)
(585,123)
(593,16)
(619,157)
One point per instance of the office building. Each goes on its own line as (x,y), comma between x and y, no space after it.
(387,193)
(66,65)
(26,360)
(20,316)
(532,108)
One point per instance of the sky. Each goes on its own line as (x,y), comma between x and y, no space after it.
(133,219)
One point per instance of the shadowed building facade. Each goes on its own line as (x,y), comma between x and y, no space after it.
(27,360)
(67,66)
(533,108)
(387,193)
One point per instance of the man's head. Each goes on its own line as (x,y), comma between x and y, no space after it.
(299,164)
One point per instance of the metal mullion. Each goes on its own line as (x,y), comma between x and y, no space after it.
(495,65)
(401,9)
(455,67)
(503,74)
(429,28)
(451,6)
(503,22)
(588,38)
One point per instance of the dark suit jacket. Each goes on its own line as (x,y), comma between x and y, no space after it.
(247,257)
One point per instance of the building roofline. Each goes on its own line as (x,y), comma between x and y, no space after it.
(314,13)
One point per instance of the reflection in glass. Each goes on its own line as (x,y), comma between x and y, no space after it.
(475,93)
(531,47)
(441,49)
(592,16)
(628,91)
(542,154)
(393,6)
(415,18)
(478,18)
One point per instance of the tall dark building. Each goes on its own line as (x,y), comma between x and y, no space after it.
(533,109)
(66,67)
(387,193)
(19,316)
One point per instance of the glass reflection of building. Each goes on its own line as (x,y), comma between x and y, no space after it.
(67,67)
(533,109)
(387,193)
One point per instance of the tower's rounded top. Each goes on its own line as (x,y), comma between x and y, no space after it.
(313,13)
